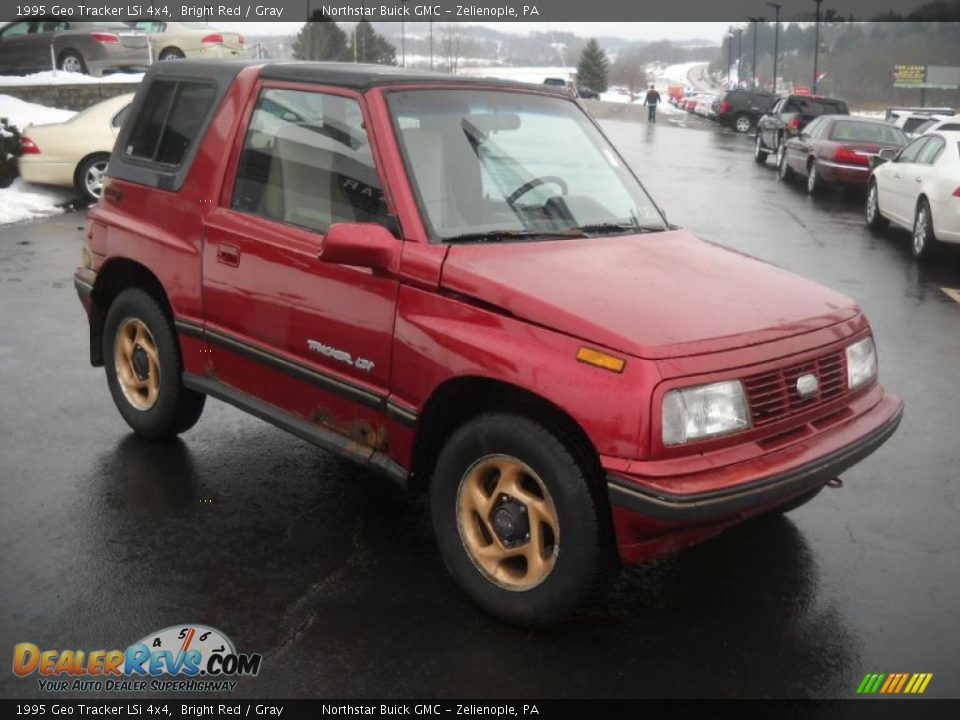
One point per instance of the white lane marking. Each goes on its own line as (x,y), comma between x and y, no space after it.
(952,293)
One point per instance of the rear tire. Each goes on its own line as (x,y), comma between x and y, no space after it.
(784,171)
(743,123)
(72,61)
(499,476)
(172,54)
(875,220)
(814,181)
(759,153)
(924,239)
(90,174)
(144,370)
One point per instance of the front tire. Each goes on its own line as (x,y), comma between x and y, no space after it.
(924,240)
(518,521)
(90,175)
(144,370)
(759,153)
(875,220)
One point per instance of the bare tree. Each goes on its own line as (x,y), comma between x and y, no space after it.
(451,40)
(628,69)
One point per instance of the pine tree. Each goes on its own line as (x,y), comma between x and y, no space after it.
(10,150)
(368,46)
(593,66)
(321,39)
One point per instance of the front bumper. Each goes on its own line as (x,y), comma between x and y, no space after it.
(763,483)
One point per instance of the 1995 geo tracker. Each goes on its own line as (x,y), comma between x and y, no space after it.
(459,283)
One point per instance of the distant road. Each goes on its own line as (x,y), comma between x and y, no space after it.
(698,78)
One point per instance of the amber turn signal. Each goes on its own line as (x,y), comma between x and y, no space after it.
(600,359)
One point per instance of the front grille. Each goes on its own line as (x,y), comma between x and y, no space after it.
(773,395)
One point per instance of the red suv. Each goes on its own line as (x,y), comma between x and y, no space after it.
(459,283)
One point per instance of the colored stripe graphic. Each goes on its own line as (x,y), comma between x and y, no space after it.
(894,683)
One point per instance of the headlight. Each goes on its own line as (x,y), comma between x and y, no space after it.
(861,363)
(704,411)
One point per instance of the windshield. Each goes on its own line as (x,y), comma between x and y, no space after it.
(853,131)
(487,162)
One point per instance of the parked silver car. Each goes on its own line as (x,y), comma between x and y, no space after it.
(83,47)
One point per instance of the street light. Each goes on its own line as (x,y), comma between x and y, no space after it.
(753,74)
(816,47)
(776,42)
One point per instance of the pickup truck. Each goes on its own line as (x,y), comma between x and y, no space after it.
(459,283)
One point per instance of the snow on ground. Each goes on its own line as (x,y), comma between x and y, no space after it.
(21,202)
(22,113)
(59,77)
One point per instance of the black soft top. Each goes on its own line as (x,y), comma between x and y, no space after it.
(357,76)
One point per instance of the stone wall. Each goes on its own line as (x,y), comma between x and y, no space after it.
(69,97)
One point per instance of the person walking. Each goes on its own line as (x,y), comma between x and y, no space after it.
(651,101)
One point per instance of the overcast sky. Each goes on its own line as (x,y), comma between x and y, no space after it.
(631,31)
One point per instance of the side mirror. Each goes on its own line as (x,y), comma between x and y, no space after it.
(362,245)
(888,153)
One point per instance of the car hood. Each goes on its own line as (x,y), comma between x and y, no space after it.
(657,295)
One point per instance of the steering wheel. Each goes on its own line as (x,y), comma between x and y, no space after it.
(537,182)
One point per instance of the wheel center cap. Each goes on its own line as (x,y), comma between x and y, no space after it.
(141,363)
(510,522)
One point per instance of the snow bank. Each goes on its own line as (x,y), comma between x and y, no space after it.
(49,77)
(22,113)
(21,202)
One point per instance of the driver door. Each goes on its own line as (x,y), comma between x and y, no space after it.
(898,194)
(310,337)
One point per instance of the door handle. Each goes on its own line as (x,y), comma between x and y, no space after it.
(918,179)
(228,254)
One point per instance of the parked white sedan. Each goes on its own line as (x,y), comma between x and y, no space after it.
(74,153)
(920,190)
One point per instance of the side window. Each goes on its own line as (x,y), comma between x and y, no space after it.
(14,29)
(911,151)
(46,27)
(790,106)
(950,127)
(169,121)
(307,161)
(931,151)
(913,124)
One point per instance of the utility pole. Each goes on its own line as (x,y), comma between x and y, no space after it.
(776,42)
(403,38)
(739,57)
(753,74)
(816,47)
(729,56)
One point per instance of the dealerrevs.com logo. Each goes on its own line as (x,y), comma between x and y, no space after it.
(181,658)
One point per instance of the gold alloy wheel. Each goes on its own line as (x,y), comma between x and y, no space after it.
(507,522)
(137,363)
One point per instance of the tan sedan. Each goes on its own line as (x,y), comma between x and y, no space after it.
(74,153)
(178,40)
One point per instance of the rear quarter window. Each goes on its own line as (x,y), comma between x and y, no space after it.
(169,121)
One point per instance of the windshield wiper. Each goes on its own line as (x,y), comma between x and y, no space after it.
(507,235)
(611,228)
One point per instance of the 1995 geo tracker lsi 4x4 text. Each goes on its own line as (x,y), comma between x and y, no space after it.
(459,283)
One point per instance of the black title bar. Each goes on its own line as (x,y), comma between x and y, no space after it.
(531,11)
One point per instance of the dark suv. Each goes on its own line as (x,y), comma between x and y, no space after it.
(740,109)
(788,117)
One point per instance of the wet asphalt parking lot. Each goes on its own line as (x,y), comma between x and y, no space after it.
(332,574)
